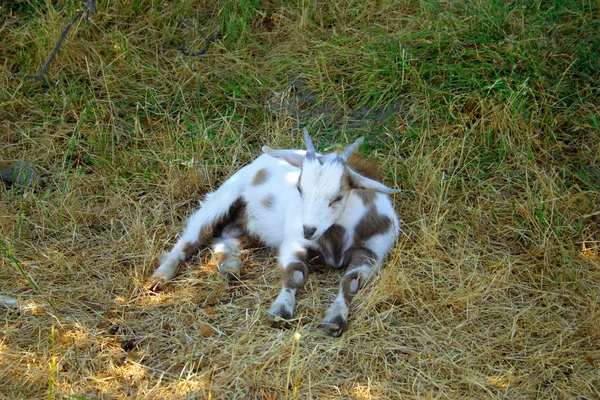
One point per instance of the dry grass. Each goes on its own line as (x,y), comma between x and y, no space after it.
(484,113)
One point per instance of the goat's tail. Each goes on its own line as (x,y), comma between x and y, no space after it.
(217,210)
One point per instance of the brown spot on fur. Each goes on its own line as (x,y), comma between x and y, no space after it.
(261,177)
(370,225)
(367,196)
(268,202)
(332,243)
(289,272)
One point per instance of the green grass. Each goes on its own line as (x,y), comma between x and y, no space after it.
(484,113)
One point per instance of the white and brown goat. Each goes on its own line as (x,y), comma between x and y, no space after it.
(298,202)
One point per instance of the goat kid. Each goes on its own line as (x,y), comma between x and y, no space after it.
(300,203)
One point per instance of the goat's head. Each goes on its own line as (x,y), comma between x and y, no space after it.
(325,184)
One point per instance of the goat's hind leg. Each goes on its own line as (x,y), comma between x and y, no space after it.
(226,250)
(189,243)
(213,218)
(363,263)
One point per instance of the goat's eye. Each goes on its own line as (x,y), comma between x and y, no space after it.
(299,190)
(336,200)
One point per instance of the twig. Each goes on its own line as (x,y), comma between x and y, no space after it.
(207,40)
(90,8)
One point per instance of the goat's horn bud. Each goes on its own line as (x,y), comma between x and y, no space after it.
(310,147)
(345,155)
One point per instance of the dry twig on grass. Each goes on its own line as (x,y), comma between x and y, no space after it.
(90,8)
(207,40)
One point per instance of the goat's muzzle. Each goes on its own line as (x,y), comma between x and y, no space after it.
(309,231)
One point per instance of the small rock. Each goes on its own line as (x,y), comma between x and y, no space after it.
(206,330)
(20,174)
(8,302)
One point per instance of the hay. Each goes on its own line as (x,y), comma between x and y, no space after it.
(491,291)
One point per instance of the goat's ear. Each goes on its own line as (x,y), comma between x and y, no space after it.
(357,181)
(290,156)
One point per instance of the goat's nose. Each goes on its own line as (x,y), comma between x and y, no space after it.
(309,231)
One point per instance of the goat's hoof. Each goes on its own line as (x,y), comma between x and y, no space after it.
(335,326)
(231,268)
(155,284)
(280,317)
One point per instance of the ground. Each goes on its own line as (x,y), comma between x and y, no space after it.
(484,113)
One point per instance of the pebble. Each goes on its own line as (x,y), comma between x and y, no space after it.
(8,302)
(20,174)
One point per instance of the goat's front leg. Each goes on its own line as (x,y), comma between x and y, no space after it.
(363,263)
(292,257)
